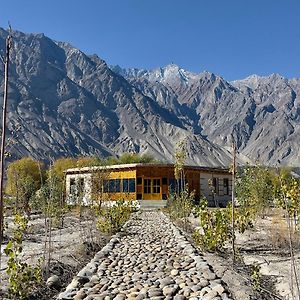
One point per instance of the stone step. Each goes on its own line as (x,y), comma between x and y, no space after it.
(152,204)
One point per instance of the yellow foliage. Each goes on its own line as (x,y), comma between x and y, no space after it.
(23,171)
(61,165)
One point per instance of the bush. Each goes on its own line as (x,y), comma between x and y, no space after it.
(112,218)
(216,225)
(23,277)
(179,207)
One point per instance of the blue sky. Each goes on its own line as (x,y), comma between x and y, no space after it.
(232,38)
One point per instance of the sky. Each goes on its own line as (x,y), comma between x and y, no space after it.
(231,38)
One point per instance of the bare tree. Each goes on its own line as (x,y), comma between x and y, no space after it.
(5,61)
(2,149)
(233,195)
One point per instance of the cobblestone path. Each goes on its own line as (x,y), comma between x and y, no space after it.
(151,261)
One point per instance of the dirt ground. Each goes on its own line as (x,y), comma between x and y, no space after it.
(266,245)
(72,246)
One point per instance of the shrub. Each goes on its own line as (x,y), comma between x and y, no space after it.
(112,218)
(180,206)
(22,276)
(216,226)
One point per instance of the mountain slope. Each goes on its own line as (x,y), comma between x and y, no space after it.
(65,103)
(262,113)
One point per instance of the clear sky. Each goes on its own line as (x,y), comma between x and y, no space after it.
(232,38)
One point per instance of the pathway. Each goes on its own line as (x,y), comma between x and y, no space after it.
(151,261)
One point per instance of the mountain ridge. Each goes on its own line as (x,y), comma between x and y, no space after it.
(248,109)
(63,102)
(66,103)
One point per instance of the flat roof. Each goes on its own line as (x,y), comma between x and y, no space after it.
(137,165)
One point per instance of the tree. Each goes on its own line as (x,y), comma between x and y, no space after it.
(99,179)
(130,158)
(5,60)
(180,156)
(61,165)
(88,161)
(256,188)
(24,178)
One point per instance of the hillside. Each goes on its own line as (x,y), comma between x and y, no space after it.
(63,102)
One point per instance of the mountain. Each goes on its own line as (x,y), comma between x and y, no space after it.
(261,113)
(63,102)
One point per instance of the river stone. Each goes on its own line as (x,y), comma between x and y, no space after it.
(120,297)
(174,272)
(151,261)
(180,297)
(153,292)
(170,290)
(209,275)
(218,288)
(210,295)
(141,296)
(166,281)
(53,282)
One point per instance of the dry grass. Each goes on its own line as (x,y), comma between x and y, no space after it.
(278,232)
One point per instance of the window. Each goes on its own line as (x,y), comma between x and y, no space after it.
(215,184)
(164,181)
(72,186)
(125,186)
(226,186)
(117,185)
(114,186)
(105,186)
(180,185)
(131,185)
(81,186)
(172,184)
(111,185)
(139,181)
(156,186)
(147,186)
(128,185)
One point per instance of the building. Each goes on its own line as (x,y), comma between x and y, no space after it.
(146,182)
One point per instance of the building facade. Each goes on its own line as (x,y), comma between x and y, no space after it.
(146,182)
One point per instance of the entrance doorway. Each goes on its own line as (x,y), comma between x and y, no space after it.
(152,189)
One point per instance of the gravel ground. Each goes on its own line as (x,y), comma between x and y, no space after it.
(70,248)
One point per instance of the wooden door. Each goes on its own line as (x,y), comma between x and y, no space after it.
(152,189)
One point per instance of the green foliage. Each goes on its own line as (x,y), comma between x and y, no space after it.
(98,195)
(216,226)
(129,158)
(243,218)
(180,206)
(255,276)
(61,165)
(88,161)
(180,156)
(24,178)
(112,218)
(256,188)
(288,194)
(50,198)
(22,276)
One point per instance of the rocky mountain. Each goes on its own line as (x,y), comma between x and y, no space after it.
(63,102)
(262,113)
